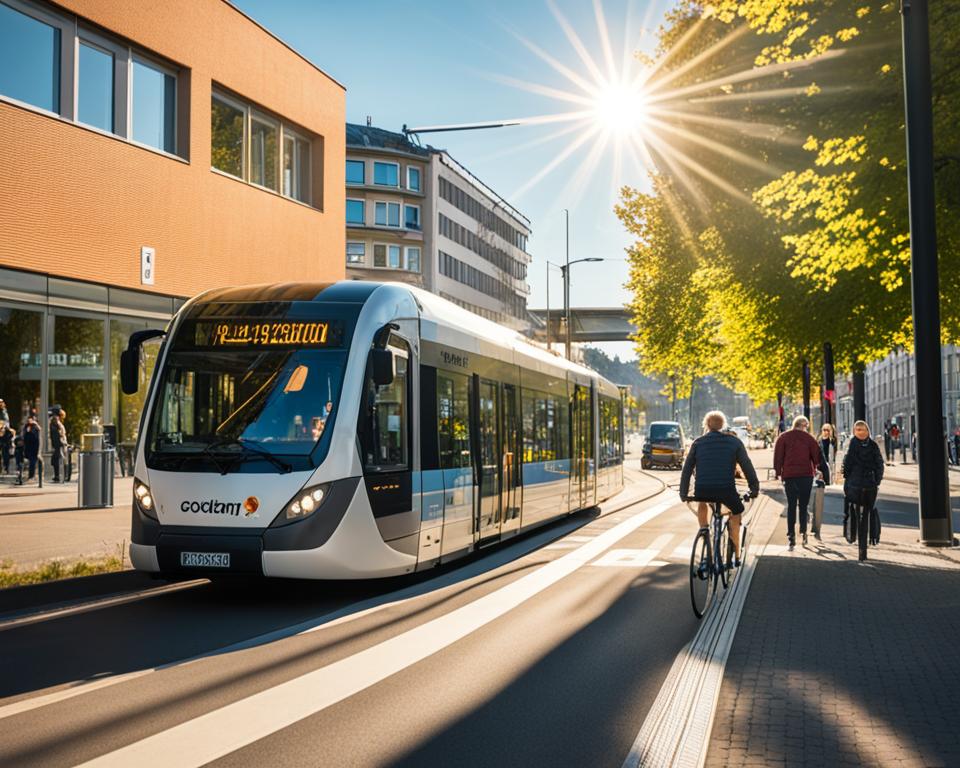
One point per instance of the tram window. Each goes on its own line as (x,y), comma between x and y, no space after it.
(545,427)
(453,419)
(386,444)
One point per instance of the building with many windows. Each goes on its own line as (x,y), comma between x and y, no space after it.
(148,151)
(414,214)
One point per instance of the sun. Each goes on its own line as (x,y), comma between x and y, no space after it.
(619,108)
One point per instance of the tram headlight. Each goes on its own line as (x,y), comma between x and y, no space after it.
(143,498)
(306,502)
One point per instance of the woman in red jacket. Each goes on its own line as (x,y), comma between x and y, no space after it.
(796,458)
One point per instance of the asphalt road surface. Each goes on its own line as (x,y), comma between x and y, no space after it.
(547,651)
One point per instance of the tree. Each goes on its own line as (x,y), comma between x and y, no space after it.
(786,225)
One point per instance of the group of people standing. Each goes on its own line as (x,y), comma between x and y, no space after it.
(21,448)
(799,459)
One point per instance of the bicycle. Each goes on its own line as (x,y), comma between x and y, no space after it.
(706,569)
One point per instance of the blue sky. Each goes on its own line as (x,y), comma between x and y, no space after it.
(432,63)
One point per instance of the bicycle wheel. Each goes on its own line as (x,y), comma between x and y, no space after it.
(701,576)
(725,557)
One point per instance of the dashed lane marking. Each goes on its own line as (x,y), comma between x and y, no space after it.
(225,730)
(636,558)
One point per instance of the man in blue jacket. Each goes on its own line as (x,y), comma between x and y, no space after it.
(715,456)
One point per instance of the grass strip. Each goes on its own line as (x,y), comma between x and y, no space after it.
(52,570)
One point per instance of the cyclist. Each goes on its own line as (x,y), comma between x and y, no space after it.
(715,456)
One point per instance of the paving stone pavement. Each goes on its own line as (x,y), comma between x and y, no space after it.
(840,663)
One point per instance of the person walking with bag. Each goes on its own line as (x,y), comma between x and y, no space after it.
(796,459)
(863,468)
(58,445)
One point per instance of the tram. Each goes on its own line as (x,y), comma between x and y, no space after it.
(355,430)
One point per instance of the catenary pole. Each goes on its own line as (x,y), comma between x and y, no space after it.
(935,523)
(566,284)
(806,390)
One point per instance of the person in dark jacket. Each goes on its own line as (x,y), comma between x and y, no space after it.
(715,456)
(31,445)
(828,451)
(58,444)
(7,435)
(863,467)
(796,459)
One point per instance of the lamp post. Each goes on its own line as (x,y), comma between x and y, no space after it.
(935,523)
(555,266)
(565,270)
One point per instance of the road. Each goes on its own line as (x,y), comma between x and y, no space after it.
(548,651)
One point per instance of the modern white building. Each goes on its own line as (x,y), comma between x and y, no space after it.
(416,215)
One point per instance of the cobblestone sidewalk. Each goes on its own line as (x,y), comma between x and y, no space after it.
(841,663)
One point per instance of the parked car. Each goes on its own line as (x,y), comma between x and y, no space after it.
(664,447)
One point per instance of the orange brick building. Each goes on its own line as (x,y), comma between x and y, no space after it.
(148,151)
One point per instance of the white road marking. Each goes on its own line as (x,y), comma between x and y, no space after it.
(225,730)
(635,558)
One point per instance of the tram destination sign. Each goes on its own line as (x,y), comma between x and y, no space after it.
(239,334)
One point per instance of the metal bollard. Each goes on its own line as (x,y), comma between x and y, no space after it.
(40,471)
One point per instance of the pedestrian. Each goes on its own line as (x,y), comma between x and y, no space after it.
(956,445)
(887,441)
(58,445)
(863,469)
(31,445)
(7,437)
(4,416)
(796,459)
(828,451)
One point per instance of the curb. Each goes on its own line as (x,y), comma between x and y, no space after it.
(78,588)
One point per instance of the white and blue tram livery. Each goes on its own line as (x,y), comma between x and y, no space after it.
(355,430)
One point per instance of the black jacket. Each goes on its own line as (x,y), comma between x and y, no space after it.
(862,467)
(715,456)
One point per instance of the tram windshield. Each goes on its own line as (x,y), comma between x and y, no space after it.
(244,401)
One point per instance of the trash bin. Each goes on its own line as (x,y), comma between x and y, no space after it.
(95,474)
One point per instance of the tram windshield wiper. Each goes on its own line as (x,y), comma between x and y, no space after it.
(248,451)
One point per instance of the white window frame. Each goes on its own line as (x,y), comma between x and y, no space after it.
(386,162)
(121,82)
(152,63)
(406,258)
(262,117)
(236,104)
(388,225)
(363,256)
(364,164)
(363,202)
(419,171)
(419,219)
(400,263)
(286,131)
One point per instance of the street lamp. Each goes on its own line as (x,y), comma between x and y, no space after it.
(565,271)
(555,266)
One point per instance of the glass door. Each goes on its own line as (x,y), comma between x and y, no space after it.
(582,491)
(488,442)
(510,461)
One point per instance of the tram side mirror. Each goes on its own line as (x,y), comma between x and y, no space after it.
(382,366)
(130,371)
(130,359)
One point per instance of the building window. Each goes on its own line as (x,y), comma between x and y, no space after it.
(413,178)
(413,259)
(356,252)
(393,256)
(379,255)
(29,60)
(355,212)
(296,166)
(226,136)
(95,87)
(246,144)
(154,106)
(411,216)
(387,214)
(386,174)
(356,172)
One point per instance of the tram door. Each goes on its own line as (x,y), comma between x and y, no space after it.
(581,491)
(488,459)
(510,459)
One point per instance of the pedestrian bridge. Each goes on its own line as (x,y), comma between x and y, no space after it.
(586,324)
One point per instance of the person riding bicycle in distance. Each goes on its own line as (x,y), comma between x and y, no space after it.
(715,456)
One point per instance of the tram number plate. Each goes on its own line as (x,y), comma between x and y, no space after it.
(205,559)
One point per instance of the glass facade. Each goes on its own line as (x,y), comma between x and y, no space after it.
(55,353)
(95,88)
